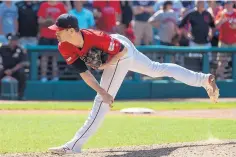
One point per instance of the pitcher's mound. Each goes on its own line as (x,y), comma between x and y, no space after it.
(210,148)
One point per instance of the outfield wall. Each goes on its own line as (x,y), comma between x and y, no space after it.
(136,88)
(78,90)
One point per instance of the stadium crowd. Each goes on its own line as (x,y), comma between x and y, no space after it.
(160,22)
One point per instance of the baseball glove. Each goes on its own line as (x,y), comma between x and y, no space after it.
(95,58)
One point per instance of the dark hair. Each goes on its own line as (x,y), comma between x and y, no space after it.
(166,3)
(76,29)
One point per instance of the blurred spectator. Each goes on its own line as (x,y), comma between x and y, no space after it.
(188,4)
(142,11)
(84,16)
(214,8)
(107,13)
(68,5)
(8,19)
(88,5)
(127,14)
(177,6)
(201,21)
(48,13)
(124,27)
(129,33)
(13,60)
(226,22)
(165,20)
(28,22)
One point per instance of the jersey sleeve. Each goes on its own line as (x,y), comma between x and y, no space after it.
(41,11)
(69,52)
(184,20)
(79,66)
(105,42)
(97,4)
(212,22)
(63,8)
(23,56)
(219,16)
(117,7)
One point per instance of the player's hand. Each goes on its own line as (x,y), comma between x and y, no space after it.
(107,98)
(93,67)
(233,26)
(223,19)
(8,72)
(103,66)
(210,36)
(142,9)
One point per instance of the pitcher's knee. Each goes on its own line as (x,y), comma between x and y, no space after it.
(160,70)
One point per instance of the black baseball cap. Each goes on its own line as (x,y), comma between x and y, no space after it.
(65,21)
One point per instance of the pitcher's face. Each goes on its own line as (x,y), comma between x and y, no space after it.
(65,34)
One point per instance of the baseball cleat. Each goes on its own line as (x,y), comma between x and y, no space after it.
(61,150)
(212,89)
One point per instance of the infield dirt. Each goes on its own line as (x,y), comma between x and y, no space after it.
(209,148)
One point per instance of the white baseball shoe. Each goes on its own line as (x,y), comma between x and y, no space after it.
(61,150)
(212,89)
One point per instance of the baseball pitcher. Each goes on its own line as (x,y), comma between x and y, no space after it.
(115,55)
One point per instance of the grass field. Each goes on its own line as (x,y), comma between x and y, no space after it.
(35,133)
(117,105)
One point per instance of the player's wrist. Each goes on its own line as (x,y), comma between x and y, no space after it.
(101,91)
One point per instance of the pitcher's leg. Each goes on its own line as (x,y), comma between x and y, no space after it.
(91,125)
(142,64)
(111,81)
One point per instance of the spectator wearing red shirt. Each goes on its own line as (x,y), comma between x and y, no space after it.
(214,8)
(124,27)
(226,22)
(48,13)
(107,14)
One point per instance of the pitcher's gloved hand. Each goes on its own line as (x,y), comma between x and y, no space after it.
(95,58)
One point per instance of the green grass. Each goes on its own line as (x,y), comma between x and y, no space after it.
(35,133)
(117,105)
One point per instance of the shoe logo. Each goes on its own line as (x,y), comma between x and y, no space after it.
(65,149)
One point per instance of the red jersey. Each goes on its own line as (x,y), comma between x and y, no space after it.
(227,34)
(50,11)
(109,9)
(92,38)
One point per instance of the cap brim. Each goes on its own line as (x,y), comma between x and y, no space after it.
(55,28)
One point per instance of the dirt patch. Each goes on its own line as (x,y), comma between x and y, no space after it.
(210,148)
(211,113)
